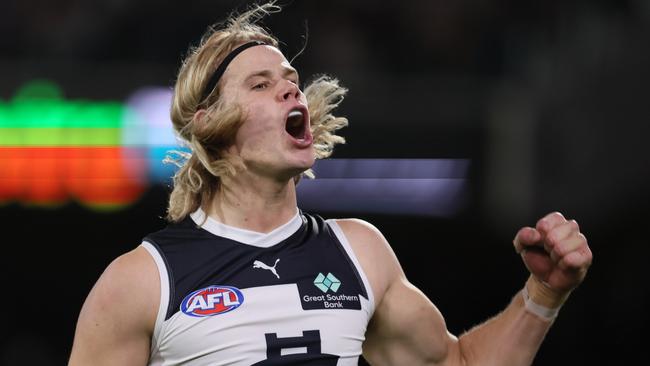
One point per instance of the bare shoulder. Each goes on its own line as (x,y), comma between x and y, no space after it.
(366,239)
(358,225)
(374,253)
(131,279)
(118,316)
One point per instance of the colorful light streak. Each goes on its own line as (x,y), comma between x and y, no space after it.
(105,154)
(102,154)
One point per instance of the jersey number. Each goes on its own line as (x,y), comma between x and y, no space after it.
(310,341)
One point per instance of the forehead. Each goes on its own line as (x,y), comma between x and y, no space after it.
(255,59)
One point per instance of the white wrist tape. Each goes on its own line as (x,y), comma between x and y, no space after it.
(537,309)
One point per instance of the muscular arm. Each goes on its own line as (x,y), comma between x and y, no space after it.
(117,318)
(407,329)
(513,337)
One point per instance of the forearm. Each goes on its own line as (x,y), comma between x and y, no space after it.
(514,336)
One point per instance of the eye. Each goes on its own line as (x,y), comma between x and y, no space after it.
(260,86)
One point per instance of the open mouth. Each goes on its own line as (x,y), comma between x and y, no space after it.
(296,126)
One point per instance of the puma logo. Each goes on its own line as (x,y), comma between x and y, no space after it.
(258,264)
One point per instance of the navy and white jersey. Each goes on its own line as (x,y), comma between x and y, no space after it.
(294,296)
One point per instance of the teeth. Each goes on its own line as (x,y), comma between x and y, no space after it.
(295,113)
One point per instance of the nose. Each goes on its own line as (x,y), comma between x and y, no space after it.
(288,90)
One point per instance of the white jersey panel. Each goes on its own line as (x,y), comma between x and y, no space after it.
(237,338)
(346,245)
(164,295)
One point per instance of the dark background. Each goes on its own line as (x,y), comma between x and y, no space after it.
(548,99)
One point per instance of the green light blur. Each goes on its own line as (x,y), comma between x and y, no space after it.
(39,116)
(52,137)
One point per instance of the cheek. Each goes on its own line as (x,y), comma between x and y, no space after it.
(261,130)
(249,135)
(255,132)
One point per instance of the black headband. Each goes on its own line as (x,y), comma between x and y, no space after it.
(214,79)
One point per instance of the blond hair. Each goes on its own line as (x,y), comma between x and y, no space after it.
(198,177)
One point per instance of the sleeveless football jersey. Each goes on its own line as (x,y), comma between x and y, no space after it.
(294,296)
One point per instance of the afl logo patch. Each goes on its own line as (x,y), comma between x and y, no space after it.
(212,300)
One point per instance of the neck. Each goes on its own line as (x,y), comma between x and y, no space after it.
(254,203)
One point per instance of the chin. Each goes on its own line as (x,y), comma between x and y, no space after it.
(300,167)
(308,163)
(304,160)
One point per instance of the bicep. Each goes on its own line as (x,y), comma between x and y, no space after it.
(408,329)
(116,320)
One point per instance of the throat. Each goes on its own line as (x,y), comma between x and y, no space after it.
(254,205)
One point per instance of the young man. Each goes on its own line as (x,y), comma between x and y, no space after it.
(242,277)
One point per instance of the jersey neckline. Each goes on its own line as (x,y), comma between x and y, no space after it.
(249,237)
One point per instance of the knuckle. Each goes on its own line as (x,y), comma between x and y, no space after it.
(553,238)
(586,251)
(561,250)
(542,224)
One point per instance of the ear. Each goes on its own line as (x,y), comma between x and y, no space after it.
(199,117)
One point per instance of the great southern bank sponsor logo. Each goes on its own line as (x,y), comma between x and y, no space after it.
(325,283)
(326,300)
(212,300)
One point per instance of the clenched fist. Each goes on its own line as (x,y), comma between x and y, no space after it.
(555,252)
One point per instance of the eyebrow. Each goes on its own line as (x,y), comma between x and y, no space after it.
(286,71)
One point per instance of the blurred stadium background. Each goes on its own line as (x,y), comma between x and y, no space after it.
(523,107)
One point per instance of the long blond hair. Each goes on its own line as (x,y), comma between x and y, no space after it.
(198,176)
